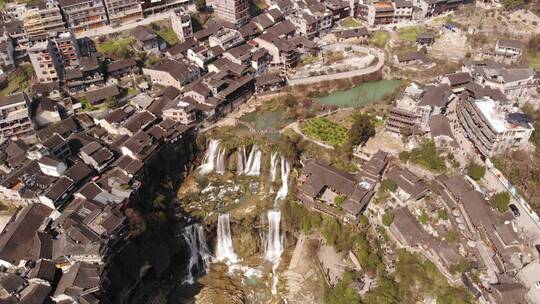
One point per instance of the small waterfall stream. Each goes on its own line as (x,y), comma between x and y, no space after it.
(210,157)
(274,245)
(224,248)
(221,158)
(241,161)
(273,166)
(199,255)
(253,163)
(285,171)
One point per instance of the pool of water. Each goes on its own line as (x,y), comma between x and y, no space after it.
(361,95)
(268,123)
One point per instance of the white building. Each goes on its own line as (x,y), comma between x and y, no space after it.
(181,24)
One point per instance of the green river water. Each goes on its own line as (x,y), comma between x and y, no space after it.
(362,94)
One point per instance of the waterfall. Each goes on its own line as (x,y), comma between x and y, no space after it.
(254,161)
(210,157)
(285,171)
(240,160)
(221,157)
(224,248)
(273,166)
(199,255)
(274,245)
(249,159)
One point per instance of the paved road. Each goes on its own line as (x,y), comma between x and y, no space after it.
(344,75)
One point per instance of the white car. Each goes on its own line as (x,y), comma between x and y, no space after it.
(537,284)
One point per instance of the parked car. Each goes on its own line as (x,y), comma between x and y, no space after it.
(514,210)
(537,284)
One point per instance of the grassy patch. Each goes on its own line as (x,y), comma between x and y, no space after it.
(380,38)
(165,31)
(349,22)
(534,59)
(120,48)
(18,80)
(322,129)
(409,33)
(309,60)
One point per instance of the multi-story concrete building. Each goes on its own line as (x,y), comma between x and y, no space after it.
(226,38)
(150,7)
(7,59)
(15,122)
(15,11)
(15,30)
(120,11)
(181,24)
(43,21)
(380,13)
(233,11)
(508,48)
(46,61)
(83,15)
(50,57)
(513,82)
(492,128)
(403,11)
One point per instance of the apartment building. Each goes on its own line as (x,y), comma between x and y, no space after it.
(226,38)
(15,30)
(43,21)
(7,59)
(15,122)
(181,24)
(513,82)
(150,7)
(121,11)
(51,56)
(380,13)
(83,15)
(46,61)
(15,11)
(492,128)
(403,11)
(233,11)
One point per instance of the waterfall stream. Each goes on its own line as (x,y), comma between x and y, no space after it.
(285,171)
(210,157)
(221,158)
(224,248)
(274,245)
(253,163)
(273,166)
(199,255)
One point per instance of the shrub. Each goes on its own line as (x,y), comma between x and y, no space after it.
(442,214)
(476,171)
(388,184)
(423,218)
(388,218)
(338,200)
(462,266)
(500,201)
(404,156)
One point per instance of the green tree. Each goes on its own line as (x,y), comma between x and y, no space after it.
(423,218)
(338,200)
(342,293)
(389,184)
(462,266)
(404,156)
(388,218)
(442,214)
(451,236)
(361,130)
(428,156)
(455,295)
(500,201)
(476,171)
(200,5)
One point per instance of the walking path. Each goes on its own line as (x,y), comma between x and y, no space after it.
(360,72)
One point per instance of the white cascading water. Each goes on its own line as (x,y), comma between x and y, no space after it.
(224,248)
(199,255)
(240,161)
(274,245)
(285,171)
(254,168)
(273,166)
(210,157)
(249,160)
(220,164)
